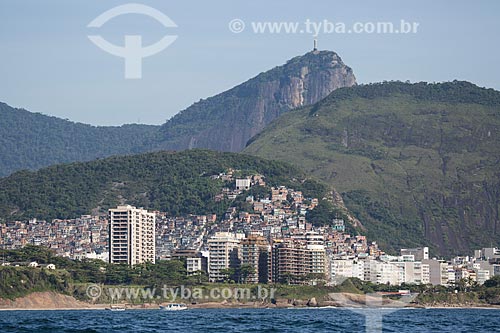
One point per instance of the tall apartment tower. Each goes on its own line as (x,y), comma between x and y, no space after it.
(224,252)
(298,260)
(131,235)
(255,253)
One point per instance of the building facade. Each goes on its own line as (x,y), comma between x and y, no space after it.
(131,235)
(255,253)
(419,253)
(298,260)
(223,250)
(341,269)
(438,272)
(194,261)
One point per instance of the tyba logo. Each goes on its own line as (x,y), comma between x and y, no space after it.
(132,51)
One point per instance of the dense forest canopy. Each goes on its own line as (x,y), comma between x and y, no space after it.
(177,183)
(32,140)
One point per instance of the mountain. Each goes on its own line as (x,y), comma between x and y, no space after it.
(418,164)
(32,140)
(178,183)
(226,122)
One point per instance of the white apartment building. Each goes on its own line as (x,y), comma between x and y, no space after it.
(131,235)
(223,250)
(491,253)
(341,269)
(414,272)
(383,272)
(194,265)
(315,246)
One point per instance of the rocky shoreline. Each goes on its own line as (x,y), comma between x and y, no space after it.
(56,301)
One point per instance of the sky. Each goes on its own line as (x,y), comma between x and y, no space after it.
(49,65)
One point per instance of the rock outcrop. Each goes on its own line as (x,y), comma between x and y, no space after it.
(226,122)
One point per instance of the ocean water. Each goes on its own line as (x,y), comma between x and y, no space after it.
(253,320)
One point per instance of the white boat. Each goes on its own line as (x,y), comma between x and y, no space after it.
(174,307)
(115,308)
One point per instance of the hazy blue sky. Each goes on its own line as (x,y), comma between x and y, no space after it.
(48,65)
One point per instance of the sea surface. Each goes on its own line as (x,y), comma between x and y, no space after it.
(253,320)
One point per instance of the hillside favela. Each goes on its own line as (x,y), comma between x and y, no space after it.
(273,241)
(244,167)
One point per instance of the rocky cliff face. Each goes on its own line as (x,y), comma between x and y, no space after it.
(227,121)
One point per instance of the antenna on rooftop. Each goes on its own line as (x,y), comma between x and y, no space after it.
(315,48)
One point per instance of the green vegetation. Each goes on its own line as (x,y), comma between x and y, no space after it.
(177,183)
(416,163)
(239,274)
(463,293)
(32,140)
(22,280)
(72,278)
(323,214)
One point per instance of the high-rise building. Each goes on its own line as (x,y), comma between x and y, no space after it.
(438,272)
(255,253)
(298,260)
(317,254)
(131,235)
(223,250)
